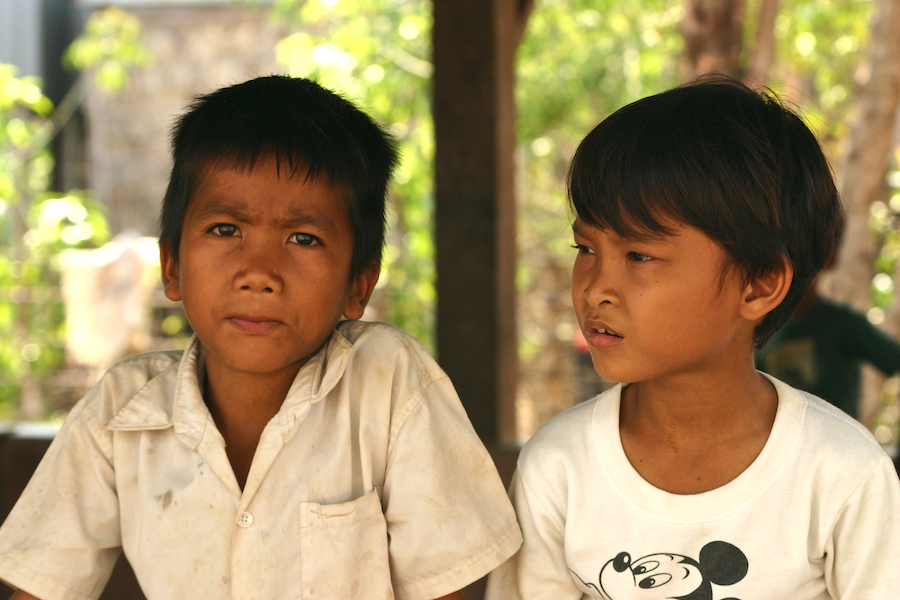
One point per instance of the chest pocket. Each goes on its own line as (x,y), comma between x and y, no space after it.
(344,550)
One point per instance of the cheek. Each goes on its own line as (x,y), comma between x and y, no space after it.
(693,300)
(581,271)
(576,300)
(580,284)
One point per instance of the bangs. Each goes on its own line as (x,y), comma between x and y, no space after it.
(244,148)
(315,132)
(675,157)
(287,165)
(627,182)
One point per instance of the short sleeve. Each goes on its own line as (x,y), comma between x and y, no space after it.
(62,538)
(538,570)
(862,559)
(448,517)
(875,345)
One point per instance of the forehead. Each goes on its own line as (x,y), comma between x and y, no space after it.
(265,190)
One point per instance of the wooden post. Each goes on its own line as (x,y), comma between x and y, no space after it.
(474,113)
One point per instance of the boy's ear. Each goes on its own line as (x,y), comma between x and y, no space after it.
(169,269)
(765,293)
(360,291)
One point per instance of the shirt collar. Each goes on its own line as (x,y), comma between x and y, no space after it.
(174,397)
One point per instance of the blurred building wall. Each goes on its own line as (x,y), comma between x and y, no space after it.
(196,47)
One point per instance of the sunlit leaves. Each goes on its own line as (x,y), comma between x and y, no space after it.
(31,312)
(21,91)
(62,221)
(23,170)
(35,225)
(820,45)
(109,45)
(580,60)
(377,53)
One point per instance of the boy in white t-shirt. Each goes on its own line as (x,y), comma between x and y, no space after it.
(285,453)
(701,216)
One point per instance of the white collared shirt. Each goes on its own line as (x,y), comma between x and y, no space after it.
(368,483)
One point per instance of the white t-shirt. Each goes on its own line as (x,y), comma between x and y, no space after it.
(369,483)
(816,516)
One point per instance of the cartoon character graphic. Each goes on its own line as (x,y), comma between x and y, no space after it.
(671,576)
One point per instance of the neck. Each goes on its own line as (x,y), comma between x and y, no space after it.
(725,398)
(693,433)
(231,394)
(242,404)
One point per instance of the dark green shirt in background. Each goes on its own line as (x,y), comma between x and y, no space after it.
(822,352)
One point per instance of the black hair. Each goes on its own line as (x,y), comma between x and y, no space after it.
(731,162)
(307,129)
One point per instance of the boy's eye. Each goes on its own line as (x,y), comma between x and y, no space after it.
(638,257)
(304,239)
(582,249)
(224,229)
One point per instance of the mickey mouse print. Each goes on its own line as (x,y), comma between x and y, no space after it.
(667,576)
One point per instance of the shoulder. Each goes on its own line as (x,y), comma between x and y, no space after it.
(833,446)
(362,334)
(140,373)
(568,428)
(567,440)
(381,346)
(836,430)
(830,307)
(144,366)
(388,372)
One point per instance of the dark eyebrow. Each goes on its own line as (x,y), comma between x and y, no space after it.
(576,229)
(215,209)
(299,218)
(642,237)
(239,213)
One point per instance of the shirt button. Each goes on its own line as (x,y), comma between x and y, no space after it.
(246,520)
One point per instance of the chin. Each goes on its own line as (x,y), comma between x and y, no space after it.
(614,375)
(263,367)
(258,364)
(620,373)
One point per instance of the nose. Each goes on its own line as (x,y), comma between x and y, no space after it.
(258,271)
(597,284)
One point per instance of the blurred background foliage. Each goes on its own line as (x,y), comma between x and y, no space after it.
(579,61)
(109,46)
(38,223)
(377,53)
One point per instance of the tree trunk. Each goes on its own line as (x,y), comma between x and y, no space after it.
(863,179)
(474,46)
(713,31)
(764,45)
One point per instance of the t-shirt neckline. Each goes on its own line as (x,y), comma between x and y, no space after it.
(706,506)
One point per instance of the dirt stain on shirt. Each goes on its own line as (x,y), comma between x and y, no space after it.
(165,499)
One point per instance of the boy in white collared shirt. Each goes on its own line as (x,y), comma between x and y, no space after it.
(285,453)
